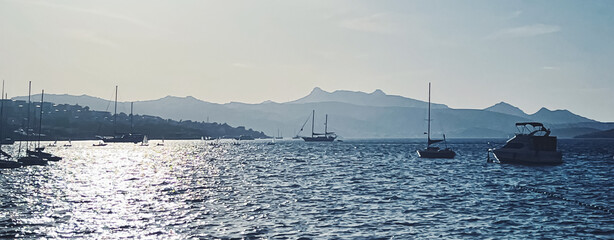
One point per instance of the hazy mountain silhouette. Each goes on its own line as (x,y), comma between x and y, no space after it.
(558,116)
(377,99)
(507,108)
(351,114)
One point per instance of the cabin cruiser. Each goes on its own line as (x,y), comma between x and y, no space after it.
(532,145)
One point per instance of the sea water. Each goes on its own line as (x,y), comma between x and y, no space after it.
(293,189)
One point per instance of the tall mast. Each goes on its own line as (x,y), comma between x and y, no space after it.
(326,125)
(115,114)
(40,120)
(313,118)
(429,120)
(28,118)
(131,116)
(2,116)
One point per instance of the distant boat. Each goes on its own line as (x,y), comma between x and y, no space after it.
(38,151)
(145,142)
(434,152)
(530,146)
(117,138)
(5,163)
(99,144)
(272,142)
(279,135)
(69,144)
(161,144)
(28,159)
(320,137)
(54,144)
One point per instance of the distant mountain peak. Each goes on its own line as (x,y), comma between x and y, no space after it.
(506,108)
(318,90)
(376,98)
(378,92)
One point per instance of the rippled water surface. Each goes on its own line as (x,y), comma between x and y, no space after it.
(354,189)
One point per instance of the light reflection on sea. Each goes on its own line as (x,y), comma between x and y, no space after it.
(355,189)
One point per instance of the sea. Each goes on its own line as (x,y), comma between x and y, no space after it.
(355,189)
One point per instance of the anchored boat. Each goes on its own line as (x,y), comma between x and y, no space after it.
(434,152)
(320,137)
(532,145)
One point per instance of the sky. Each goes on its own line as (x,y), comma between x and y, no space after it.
(531,54)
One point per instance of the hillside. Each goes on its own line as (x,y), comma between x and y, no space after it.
(351,115)
(64,121)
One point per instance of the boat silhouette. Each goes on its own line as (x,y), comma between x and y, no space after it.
(434,152)
(320,137)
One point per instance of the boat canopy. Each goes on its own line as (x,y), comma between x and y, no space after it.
(537,127)
(534,124)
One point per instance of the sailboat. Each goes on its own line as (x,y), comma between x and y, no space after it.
(69,144)
(320,137)
(434,152)
(130,137)
(38,151)
(161,144)
(145,142)
(279,135)
(5,163)
(28,159)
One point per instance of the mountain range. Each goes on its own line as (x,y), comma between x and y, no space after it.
(350,114)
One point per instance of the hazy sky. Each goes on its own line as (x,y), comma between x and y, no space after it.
(556,54)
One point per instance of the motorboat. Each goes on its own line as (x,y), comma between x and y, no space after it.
(532,145)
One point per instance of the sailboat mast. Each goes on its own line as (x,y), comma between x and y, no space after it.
(313,118)
(115,114)
(131,117)
(40,119)
(28,116)
(2,116)
(429,120)
(326,125)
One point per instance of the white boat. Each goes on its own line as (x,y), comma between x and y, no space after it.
(145,142)
(532,145)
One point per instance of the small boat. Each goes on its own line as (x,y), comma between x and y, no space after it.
(145,142)
(69,144)
(121,138)
(434,152)
(54,144)
(532,145)
(29,160)
(38,151)
(320,137)
(99,144)
(161,144)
